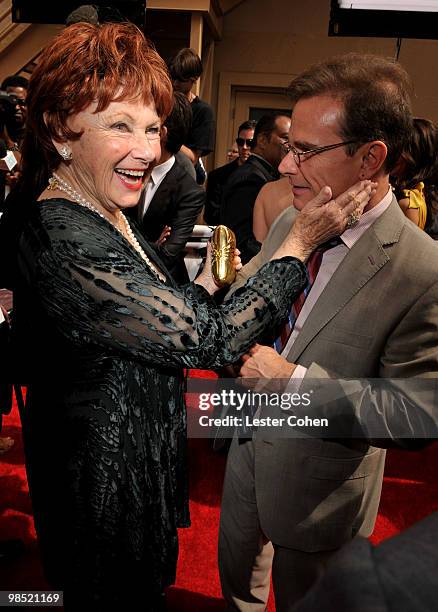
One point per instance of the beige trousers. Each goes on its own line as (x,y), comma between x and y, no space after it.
(246,556)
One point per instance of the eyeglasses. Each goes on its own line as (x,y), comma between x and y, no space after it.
(300,156)
(244,141)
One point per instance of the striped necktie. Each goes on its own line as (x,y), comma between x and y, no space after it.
(313,265)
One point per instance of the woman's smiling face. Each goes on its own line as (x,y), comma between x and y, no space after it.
(113,157)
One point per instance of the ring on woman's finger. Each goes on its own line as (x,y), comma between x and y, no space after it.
(353,219)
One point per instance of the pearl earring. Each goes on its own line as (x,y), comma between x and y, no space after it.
(65,153)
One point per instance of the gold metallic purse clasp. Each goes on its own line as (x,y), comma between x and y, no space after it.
(223,246)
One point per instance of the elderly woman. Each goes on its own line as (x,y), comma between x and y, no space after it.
(105,424)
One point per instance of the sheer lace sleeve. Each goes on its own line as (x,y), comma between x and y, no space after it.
(99,293)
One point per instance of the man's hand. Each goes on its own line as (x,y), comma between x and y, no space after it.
(164,235)
(12,178)
(264,368)
(4,314)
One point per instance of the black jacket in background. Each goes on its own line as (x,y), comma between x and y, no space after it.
(215,186)
(177,202)
(398,575)
(203,130)
(238,201)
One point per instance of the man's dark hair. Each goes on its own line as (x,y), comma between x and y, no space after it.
(15,81)
(247,125)
(178,123)
(375,94)
(185,65)
(87,13)
(266,125)
(95,14)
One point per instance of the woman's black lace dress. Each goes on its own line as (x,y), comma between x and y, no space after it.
(105,343)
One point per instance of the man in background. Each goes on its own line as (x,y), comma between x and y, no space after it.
(217,178)
(12,120)
(172,200)
(243,186)
(185,69)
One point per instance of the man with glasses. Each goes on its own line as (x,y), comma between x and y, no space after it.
(243,186)
(217,178)
(371,313)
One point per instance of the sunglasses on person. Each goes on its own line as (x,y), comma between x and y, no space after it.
(244,141)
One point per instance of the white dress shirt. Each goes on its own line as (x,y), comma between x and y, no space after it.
(157,176)
(331,259)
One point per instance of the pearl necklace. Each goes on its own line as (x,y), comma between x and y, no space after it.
(56,182)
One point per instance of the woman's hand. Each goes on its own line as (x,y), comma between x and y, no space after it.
(206,279)
(322,218)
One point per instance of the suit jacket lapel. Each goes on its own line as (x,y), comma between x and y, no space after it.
(159,205)
(363,261)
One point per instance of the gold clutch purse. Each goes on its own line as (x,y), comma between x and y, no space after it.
(223,245)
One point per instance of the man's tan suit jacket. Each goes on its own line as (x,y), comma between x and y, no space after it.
(377,317)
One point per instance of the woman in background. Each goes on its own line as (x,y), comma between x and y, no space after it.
(416,165)
(272,199)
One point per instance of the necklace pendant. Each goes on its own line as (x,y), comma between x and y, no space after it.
(53,184)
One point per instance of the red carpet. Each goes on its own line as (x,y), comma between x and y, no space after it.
(410,492)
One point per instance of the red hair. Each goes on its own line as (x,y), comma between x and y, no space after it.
(89,63)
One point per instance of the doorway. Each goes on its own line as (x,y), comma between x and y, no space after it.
(242,95)
(254,104)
